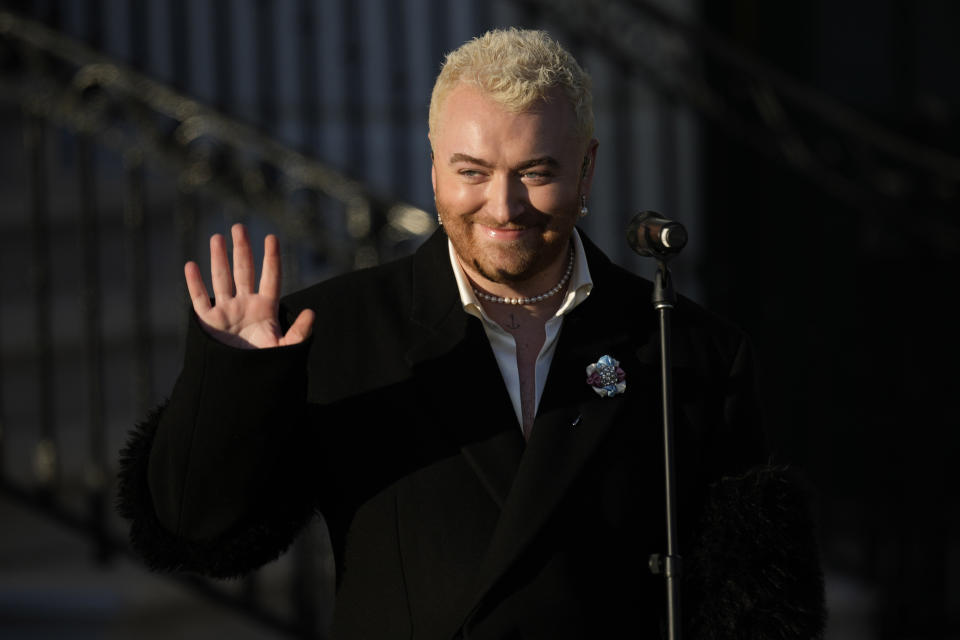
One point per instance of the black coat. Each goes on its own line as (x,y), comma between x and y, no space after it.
(394,423)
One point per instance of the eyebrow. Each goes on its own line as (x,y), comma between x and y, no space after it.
(533,162)
(463,157)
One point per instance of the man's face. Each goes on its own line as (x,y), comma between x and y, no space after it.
(507,185)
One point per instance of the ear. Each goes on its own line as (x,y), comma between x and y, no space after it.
(433,168)
(589,163)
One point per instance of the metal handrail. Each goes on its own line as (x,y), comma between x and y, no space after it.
(56,81)
(138,116)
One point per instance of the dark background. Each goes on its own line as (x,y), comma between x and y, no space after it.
(850,296)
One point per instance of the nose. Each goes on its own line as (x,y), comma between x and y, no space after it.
(505,199)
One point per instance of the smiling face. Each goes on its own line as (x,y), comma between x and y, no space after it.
(508,186)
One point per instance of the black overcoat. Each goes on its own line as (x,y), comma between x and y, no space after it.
(393,422)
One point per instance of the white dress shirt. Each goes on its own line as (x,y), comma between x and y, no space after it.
(503,344)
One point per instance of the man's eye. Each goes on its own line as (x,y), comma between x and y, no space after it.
(535,175)
(469,173)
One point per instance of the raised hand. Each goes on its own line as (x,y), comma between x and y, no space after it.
(240,316)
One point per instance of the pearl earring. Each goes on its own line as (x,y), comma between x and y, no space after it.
(583,206)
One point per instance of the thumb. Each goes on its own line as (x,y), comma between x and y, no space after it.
(300,330)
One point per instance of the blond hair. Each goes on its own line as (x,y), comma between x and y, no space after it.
(516,67)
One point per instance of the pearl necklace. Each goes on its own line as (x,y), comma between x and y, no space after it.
(532,300)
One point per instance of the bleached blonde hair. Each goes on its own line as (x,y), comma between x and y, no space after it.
(516,67)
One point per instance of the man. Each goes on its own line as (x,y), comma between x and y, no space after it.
(476,477)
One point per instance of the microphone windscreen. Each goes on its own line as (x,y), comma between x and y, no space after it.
(753,569)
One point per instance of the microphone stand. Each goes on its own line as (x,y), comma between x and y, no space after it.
(668,565)
(650,234)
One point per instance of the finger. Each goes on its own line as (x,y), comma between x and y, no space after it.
(243,274)
(270,278)
(196,288)
(220,268)
(300,330)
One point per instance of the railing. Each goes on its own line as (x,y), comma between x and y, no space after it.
(96,137)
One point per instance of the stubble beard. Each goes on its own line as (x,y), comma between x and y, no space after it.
(527,261)
(502,276)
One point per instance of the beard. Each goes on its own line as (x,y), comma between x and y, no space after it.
(513,262)
(524,269)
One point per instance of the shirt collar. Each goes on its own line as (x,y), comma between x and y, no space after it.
(581,284)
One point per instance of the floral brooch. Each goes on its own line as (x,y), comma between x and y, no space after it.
(606,377)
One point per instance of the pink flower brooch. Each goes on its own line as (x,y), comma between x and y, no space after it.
(606,377)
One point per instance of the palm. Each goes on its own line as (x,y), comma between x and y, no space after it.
(242,316)
(244,321)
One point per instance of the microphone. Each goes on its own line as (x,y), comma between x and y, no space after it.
(651,235)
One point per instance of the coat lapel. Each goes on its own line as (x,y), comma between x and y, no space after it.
(435,308)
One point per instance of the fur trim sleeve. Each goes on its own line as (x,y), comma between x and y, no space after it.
(753,571)
(231,555)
